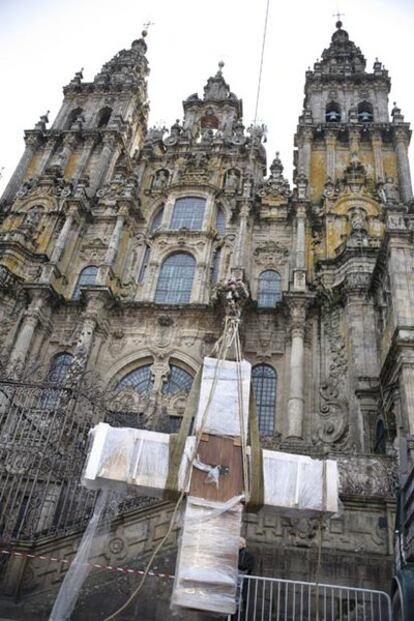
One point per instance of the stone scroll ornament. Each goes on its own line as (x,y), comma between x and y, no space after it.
(217,472)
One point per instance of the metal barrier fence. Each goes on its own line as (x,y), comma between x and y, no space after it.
(271,599)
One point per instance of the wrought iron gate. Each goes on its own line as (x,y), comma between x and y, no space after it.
(43,440)
(271,599)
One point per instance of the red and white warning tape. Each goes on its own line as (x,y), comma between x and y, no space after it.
(124,570)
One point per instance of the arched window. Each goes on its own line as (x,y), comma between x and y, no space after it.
(156,221)
(176,279)
(333,113)
(264,381)
(270,290)
(59,368)
(86,277)
(144,264)
(178,380)
(365,112)
(140,379)
(73,116)
(189,213)
(104,116)
(220,221)
(58,371)
(215,266)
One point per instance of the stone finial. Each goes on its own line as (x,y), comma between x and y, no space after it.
(44,119)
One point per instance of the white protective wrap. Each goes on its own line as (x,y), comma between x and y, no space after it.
(206,570)
(222,418)
(133,457)
(299,483)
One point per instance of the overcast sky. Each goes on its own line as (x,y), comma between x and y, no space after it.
(43,43)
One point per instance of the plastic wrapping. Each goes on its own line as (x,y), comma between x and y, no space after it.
(299,483)
(135,457)
(222,418)
(206,570)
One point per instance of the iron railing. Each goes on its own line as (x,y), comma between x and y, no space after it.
(272,599)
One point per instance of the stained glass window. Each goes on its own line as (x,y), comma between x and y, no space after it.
(140,379)
(176,279)
(189,213)
(86,277)
(264,381)
(270,290)
(178,380)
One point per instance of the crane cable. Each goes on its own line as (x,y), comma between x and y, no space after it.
(259,84)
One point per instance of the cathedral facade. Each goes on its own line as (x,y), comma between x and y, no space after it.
(116,244)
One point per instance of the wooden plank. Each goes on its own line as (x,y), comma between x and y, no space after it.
(218,451)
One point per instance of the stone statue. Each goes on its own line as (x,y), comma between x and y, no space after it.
(160,179)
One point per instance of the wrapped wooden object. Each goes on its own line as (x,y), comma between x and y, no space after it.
(132,457)
(223,417)
(206,570)
(297,483)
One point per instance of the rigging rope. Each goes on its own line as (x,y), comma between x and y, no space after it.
(261,62)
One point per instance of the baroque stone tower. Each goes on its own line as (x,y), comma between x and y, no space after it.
(117,243)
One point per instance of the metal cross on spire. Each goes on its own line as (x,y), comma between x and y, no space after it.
(338,16)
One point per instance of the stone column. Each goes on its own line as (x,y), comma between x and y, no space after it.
(69,143)
(300,236)
(32,142)
(330,143)
(85,155)
(112,250)
(354,139)
(50,145)
(305,151)
(401,141)
(64,233)
(296,400)
(25,336)
(299,270)
(95,305)
(406,381)
(110,153)
(376,141)
(238,261)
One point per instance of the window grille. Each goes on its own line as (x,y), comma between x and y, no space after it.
(140,379)
(178,380)
(156,221)
(176,279)
(270,291)
(144,264)
(189,213)
(86,277)
(220,221)
(264,381)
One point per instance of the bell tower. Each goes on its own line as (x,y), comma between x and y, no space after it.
(97,122)
(353,156)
